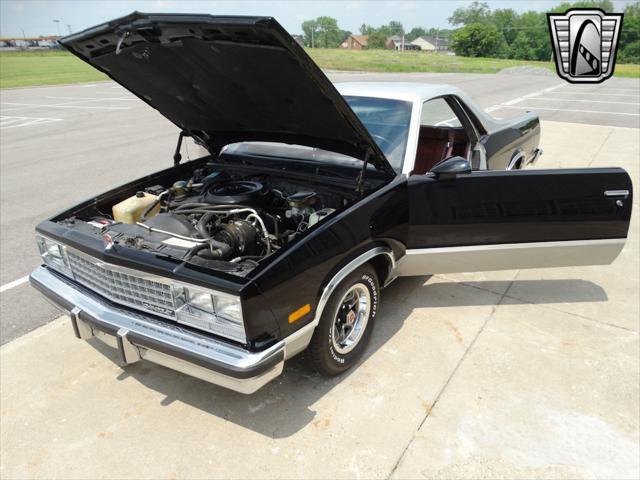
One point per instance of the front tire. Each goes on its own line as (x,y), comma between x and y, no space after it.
(346,324)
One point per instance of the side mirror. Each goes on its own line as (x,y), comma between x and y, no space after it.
(452,166)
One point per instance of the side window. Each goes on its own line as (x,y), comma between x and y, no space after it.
(438,113)
(442,135)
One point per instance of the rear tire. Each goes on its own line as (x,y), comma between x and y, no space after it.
(346,324)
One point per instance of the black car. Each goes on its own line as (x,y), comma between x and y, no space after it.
(282,237)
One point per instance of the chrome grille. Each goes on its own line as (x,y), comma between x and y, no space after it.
(122,286)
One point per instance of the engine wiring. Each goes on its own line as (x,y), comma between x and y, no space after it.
(213,218)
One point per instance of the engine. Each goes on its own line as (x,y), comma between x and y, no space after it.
(229,223)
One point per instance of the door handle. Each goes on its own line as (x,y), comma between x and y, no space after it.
(616,193)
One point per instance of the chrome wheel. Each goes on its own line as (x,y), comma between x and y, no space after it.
(351,318)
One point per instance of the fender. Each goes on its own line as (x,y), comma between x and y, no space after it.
(298,341)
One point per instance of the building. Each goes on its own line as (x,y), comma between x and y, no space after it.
(431,44)
(356,42)
(18,43)
(299,39)
(396,42)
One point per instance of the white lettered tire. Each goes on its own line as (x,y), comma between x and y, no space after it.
(346,324)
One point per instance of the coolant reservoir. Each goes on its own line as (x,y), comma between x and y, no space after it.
(131,209)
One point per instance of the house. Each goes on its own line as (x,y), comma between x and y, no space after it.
(355,42)
(431,44)
(299,39)
(28,43)
(396,42)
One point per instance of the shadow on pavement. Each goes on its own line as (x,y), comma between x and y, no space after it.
(285,406)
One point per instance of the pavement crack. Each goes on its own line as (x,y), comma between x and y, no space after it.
(582,317)
(604,142)
(476,286)
(446,384)
(542,305)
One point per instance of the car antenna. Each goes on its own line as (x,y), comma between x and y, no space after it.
(359,186)
(177,156)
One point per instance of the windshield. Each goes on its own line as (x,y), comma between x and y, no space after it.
(388,123)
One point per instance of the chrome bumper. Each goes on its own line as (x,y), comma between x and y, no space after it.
(138,336)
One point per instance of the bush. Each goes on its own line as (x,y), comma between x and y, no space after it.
(377,40)
(630,53)
(478,40)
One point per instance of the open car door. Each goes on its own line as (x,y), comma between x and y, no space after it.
(463,221)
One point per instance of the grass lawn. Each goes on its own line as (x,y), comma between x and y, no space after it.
(22,69)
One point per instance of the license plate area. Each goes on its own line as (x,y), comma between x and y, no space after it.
(127,352)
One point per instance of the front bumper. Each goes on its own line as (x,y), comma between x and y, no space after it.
(139,336)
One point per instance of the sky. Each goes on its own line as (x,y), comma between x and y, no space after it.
(36,18)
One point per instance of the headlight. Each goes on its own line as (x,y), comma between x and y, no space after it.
(215,312)
(54,255)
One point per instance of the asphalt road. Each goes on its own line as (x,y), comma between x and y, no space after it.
(61,145)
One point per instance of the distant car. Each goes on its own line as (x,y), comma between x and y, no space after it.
(417,125)
(309,201)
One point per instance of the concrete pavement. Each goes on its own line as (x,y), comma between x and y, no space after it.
(514,374)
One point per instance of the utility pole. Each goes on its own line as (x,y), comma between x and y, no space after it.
(69,28)
(57,22)
(312,32)
(23,35)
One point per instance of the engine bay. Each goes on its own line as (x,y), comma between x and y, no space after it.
(216,219)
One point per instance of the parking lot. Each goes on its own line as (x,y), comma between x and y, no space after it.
(510,374)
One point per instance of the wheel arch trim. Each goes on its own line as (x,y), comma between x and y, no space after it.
(517,156)
(299,340)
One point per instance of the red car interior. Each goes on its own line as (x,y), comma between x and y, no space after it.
(438,143)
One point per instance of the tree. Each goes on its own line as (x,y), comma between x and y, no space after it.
(383,30)
(534,26)
(439,32)
(475,13)
(415,33)
(344,34)
(322,32)
(630,32)
(309,32)
(521,48)
(366,29)
(478,40)
(526,36)
(329,32)
(506,21)
(377,40)
(395,28)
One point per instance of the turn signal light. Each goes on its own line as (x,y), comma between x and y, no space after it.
(298,314)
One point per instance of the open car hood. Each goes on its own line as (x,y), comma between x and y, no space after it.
(227,79)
